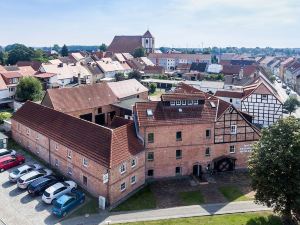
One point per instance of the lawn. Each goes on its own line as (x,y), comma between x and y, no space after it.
(261,218)
(143,199)
(89,207)
(192,197)
(233,193)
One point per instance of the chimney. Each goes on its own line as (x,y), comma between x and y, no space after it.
(241,74)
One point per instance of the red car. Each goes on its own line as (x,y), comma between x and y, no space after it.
(10,161)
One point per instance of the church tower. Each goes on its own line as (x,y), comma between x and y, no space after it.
(148,42)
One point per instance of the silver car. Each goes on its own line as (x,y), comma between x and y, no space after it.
(26,179)
(17,173)
(5,152)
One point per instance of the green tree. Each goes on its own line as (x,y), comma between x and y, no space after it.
(139,52)
(64,51)
(19,52)
(56,48)
(103,47)
(274,166)
(40,56)
(4,116)
(291,104)
(135,75)
(29,88)
(2,58)
(152,87)
(119,76)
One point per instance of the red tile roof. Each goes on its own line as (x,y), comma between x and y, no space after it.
(79,98)
(229,94)
(103,145)
(12,74)
(122,44)
(231,69)
(44,75)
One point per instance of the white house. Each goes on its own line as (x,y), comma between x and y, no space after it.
(214,68)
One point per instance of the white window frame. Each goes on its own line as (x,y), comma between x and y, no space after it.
(133,162)
(133,181)
(178,102)
(190,102)
(172,103)
(232,152)
(195,102)
(85,162)
(69,154)
(122,168)
(264,97)
(124,188)
(183,102)
(233,129)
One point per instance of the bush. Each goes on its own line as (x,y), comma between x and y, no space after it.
(152,87)
(29,88)
(4,116)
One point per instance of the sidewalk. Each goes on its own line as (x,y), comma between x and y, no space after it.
(169,213)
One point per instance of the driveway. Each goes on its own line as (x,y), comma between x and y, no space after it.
(19,208)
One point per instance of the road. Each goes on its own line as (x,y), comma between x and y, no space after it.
(168,213)
(283,95)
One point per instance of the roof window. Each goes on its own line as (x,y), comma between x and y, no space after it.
(149,112)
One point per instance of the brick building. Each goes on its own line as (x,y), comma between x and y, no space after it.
(106,161)
(189,130)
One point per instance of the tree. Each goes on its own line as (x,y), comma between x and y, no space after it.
(291,104)
(19,52)
(135,75)
(2,59)
(64,51)
(29,88)
(4,116)
(152,87)
(56,48)
(274,166)
(103,47)
(139,52)
(40,56)
(119,76)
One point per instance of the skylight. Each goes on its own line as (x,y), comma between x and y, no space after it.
(212,104)
(149,112)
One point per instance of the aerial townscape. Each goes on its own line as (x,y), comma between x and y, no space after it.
(137,129)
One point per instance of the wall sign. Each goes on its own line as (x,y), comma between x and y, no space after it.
(246,148)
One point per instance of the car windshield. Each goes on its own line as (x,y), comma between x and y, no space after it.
(57,205)
(65,184)
(16,172)
(46,194)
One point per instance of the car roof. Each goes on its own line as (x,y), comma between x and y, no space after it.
(30,174)
(3,150)
(54,187)
(39,181)
(24,167)
(64,198)
(5,158)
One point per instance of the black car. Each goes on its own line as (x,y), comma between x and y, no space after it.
(40,185)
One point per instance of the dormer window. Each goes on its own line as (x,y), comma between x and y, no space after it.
(195,102)
(190,102)
(178,102)
(172,103)
(149,112)
(183,102)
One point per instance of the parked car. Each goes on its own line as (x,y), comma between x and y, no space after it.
(288,91)
(38,186)
(284,86)
(55,191)
(17,173)
(278,81)
(68,202)
(26,179)
(5,152)
(7,162)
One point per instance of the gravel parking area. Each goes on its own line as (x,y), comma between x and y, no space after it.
(17,207)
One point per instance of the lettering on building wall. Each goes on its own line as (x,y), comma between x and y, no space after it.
(246,148)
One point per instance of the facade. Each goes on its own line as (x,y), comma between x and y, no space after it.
(188,131)
(171,60)
(106,161)
(127,44)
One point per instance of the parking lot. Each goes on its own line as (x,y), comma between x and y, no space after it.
(17,207)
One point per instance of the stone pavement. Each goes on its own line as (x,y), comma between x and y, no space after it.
(168,213)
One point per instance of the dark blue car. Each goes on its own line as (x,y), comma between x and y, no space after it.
(68,202)
(38,186)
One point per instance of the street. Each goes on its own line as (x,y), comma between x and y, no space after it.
(283,95)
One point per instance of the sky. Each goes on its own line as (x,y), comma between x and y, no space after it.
(173,23)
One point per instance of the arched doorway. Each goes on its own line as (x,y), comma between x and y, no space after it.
(197,170)
(224,163)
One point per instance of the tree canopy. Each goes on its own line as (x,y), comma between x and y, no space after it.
(103,47)
(139,52)
(291,104)
(29,88)
(64,51)
(56,48)
(275,167)
(135,75)
(19,52)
